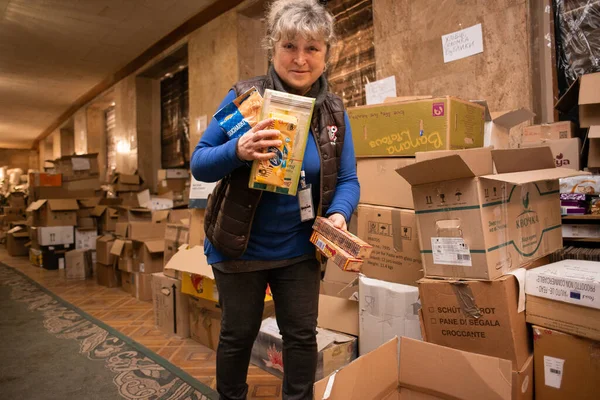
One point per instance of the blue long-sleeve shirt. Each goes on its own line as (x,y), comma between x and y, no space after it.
(277,232)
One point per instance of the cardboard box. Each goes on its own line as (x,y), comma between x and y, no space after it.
(179,216)
(107,218)
(128,282)
(123,251)
(50,259)
(127,183)
(197,234)
(54,212)
(476,316)
(16,238)
(86,206)
(570,281)
(104,245)
(393,233)
(205,321)
(176,235)
(522,381)
(172,185)
(148,255)
(54,235)
(83,184)
(563,317)
(16,200)
(403,128)
(499,126)
(566,152)
(336,275)
(86,239)
(171,313)
(584,92)
(129,199)
(566,367)
(338,307)
(142,286)
(380,184)
(77,166)
(551,131)
(78,264)
(335,350)
(593,160)
(386,310)
(482,226)
(581,231)
(107,275)
(131,214)
(173,173)
(420,371)
(42,179)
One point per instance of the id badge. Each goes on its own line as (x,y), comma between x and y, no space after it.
(305,201)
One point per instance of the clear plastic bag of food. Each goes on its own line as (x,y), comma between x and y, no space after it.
(239,116)
(291,115)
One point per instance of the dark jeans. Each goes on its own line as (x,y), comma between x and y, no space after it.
(295,292)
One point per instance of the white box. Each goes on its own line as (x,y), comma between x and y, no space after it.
(386,310)
(581,231)
(85,239)
(569,281)
(55,235)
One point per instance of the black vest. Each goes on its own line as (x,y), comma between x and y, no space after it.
(232,205)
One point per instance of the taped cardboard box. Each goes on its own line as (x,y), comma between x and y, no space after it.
(78,264)
(403,128)
(335,350)
(338,307)
(393,233)
(550,131)
(86,239)
(16,239)
(483,226)
(77,167)
(379,182)
(566,152)
(123,251)
(127,183)
(176,235)
(171,313)
(103,249)
(420,371)
(387,310)
(107,275)
(107,218)
(566,366)
(476,316)
(148,255)
(54,212)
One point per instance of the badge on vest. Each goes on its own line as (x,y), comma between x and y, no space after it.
(332,133)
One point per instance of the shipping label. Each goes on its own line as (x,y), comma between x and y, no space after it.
(553,371)
(450,251)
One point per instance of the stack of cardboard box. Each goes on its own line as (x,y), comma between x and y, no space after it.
(15,211)
(127,187)
(177,182)
(72,177)
(106,272)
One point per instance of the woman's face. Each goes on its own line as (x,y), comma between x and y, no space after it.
(299,62)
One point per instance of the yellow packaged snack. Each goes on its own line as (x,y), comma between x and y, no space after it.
(272,171)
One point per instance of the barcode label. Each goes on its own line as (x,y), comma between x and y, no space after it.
(450,251)
(320,244)
(553,371)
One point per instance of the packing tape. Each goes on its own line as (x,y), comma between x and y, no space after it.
(329,386)
(466,300)
(520,275)
(397,229)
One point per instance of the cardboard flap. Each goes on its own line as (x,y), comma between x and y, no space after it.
(550,174)
(569,99)
(402,99)
(121,229)
(512,118)
(98,211)
(159,216)
(36,205)
(517,160)
(15,229)
(113,213)
(589,90)
(89,202)
(140,211)
(372,376)
(128,179)
(483,103)
(21,234)
(105,238)
(436,170)
(594,132)
(117,247)
(458,374)
(479,160)
(63,204)
(191,260)
(155,246)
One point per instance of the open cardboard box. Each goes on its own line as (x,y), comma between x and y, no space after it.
(421,371)
(475,224)
(54,212)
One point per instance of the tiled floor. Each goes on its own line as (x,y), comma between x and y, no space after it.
(135,319)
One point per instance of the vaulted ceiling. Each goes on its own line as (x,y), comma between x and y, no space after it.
(54,51)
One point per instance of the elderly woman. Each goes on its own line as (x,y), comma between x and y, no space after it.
(256,238)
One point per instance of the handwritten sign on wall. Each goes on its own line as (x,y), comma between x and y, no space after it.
(463,43)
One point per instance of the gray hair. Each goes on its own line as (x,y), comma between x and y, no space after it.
(288,18)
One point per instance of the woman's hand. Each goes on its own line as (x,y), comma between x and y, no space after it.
(252,144)
(339,221)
